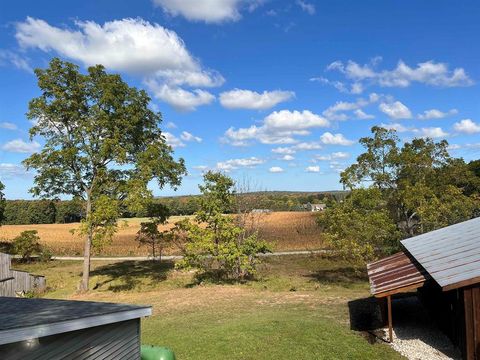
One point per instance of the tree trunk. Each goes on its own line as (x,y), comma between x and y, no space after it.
(84,285)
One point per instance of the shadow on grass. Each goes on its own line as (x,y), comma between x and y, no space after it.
(132,273)
(366,317)
(216,277)
(341,275)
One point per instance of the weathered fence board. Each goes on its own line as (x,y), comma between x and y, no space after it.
(14,282)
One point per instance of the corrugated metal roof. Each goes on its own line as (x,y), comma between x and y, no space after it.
(451,255)
(395,274)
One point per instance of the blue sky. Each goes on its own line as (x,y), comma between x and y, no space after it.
(276,91)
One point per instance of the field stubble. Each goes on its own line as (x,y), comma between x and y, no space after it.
(284,230)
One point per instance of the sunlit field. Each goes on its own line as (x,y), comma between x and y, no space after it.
(284,230)
(298,308)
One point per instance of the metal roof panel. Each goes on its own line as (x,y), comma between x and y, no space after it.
(394,273)
(450,255)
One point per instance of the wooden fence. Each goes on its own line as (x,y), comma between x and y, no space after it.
(15,282)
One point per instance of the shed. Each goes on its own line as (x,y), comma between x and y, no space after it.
(444,265)
(63,329)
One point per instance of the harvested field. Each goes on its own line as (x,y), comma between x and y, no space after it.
(285,230)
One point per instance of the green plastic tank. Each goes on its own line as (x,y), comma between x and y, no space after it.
(150,352)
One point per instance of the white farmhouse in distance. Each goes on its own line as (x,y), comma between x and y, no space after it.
(315,207)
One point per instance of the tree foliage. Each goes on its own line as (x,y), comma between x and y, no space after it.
(102,144)
(360,226)
(2,204)
(150,235)
(27,244)
(214,243)
(417,187)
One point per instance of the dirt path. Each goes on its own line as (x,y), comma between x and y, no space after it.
(178,257)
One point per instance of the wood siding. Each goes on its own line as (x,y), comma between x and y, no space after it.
(471,298)
(114,341)
(13,282)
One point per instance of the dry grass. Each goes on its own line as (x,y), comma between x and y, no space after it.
(285,230)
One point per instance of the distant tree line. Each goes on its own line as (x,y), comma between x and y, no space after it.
(26,212)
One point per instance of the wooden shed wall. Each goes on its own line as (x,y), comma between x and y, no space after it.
(471,299)
(457,313)
(16,281)
(113,341)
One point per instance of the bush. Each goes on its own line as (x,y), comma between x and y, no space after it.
(27,244)
(215,245)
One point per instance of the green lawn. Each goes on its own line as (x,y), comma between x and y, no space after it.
(298,309)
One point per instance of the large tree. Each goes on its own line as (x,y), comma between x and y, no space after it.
(102,144)
(417,187)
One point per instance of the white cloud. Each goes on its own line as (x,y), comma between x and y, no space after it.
(337,111)
(200,167)
(306,6)
(186,136)
(275,169)
(433,132)
(172,140)
(130,45)
(280,127)
(8,125)
(20,146)
(302,146)
(284,150)
(209,11)
(467,126)
(247,99)
(180,99)
(429,73)
(133,46)
(335,139)
(356,88)
(313,169)
(234,164)
(333,156)
(176,142)
(171,125)
(397,127)
(340,86)
(287,158)
(8,171)
(336,166)
(312,145)
(395,110)
(8,57)
(360,114)
(436,114)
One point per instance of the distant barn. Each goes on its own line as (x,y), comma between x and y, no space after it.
(261,211)
(315,207)
(444,265)
(60,329)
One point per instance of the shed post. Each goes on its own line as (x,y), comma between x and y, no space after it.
(390,327)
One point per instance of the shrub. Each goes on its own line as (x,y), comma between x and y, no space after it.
(27,244)
(215,245)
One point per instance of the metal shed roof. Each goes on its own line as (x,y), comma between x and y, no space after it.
(451,255)
(394,274)
(23,319)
